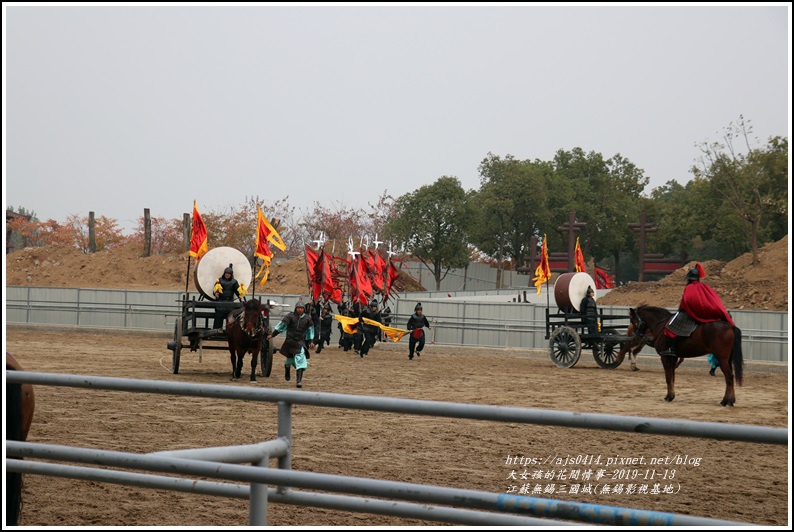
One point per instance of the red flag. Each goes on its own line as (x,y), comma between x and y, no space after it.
(311,262)
(316,276)
(368,264)
(311,259)
(579,258)
(360,285)
(391,277)
(198,235)
(262,250)
(603,279)
(336,292)
(543,271)
(379,267)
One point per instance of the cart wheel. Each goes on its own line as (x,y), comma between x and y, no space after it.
(565,347)
(608,359)
(177,346)
(266,357)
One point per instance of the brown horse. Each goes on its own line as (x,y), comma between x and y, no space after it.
(20,403)
(717,337)
(632,347)
(245,329)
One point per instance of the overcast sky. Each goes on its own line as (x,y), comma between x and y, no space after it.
(116,109)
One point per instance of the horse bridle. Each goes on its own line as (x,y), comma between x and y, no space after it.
(260,324)
(642,325)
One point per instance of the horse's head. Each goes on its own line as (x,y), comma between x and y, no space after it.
(639,325)
(251,320)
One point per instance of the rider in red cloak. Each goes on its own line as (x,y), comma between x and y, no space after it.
(701,303)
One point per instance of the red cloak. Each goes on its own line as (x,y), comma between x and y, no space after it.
(703,304)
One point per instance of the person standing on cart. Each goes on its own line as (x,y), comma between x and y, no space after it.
(589,310)
(299,330)
(226,288)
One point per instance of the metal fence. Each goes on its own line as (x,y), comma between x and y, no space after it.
(220,463)
(459,319)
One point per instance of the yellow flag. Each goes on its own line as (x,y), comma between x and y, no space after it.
(346,322)
(392,332)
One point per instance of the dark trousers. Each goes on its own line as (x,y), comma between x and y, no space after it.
(591,322)
(220,316)
(346,341)
(325,337)
(412,344)
(369,341)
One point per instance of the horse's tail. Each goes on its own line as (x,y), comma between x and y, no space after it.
(13,432)
(736,354)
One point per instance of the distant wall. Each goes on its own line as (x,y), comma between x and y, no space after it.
(459,320)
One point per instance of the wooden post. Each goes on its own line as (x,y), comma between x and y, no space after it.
(186,230)
(642,228)
(571,227)
(147,233)
(91,233)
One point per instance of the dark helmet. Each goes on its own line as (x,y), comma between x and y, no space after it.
(418,307)
(373,303)
(695,273)
(590,290)
(229,270)
(300,304)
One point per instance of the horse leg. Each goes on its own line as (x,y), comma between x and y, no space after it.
(254,358)
(669,374)
(725,365)
(633,358)
(233,357)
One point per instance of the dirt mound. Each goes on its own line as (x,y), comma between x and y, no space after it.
(740,285)
(123,268)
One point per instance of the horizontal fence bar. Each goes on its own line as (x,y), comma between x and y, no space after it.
(646,425)
(233,454)
(363,486)
(295,497)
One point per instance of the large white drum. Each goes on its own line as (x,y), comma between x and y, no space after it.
(570,289)
(210,268)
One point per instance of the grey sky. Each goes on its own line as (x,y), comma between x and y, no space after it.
(115,109)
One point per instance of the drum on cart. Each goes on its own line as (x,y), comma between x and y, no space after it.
(197,316)
(567,331)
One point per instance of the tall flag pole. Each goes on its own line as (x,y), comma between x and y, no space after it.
(198,241)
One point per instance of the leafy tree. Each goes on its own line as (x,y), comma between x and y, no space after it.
(508,209)
(431,222)
(616,197)
(338,222)
(236,226)
(605,194)
(751,184)
(107,234)
(167,235)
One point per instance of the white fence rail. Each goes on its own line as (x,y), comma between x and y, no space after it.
(492,508)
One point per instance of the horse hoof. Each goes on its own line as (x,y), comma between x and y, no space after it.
(669,399)
(635,368)
(299,385)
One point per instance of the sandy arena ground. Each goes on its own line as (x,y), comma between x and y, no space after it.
(735,481)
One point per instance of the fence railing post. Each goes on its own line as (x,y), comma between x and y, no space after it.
(257,499)
(285,432)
